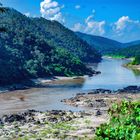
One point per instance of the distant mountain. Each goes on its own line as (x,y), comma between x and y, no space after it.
(108,46)
(38,47)
(102,44)
(133,43)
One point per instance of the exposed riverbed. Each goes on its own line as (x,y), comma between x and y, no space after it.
(113,76)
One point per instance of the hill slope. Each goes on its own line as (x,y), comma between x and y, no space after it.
(133,43)
(28,49)
(103,45)
(59,36)
(130,51)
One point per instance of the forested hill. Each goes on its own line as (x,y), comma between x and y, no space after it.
(59,36)
(103,45)
(131,51)
(38,47)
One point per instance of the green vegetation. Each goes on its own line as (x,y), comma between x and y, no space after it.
(2,10)
(37,48)
(115,56)
(128,52)
(104,45)
(136,61)
(124,123)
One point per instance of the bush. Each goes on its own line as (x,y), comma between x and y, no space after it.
(124,123)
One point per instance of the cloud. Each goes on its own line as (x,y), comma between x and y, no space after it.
(77,6)
(91,26)
(124,29)
(95,27)
(27,14)
(124,23)
(77,27)
(51,10)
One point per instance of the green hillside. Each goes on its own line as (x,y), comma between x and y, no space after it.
(104,45)
(130,51)
(28,49)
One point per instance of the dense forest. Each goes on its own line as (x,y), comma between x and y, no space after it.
(37,47)
(104,45)
(128,52)
(136,60)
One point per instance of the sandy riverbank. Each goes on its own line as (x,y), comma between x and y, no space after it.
(136,67)
(39,82)
(57,79)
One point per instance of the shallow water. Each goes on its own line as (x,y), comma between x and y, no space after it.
(113,76)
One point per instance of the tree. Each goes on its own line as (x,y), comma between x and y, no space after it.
(2,10)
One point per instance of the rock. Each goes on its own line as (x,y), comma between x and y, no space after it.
(97,91)
(98,113)
(90,105)
(129,89)
(1,122)
(13,118)
(53,120)
(78,94)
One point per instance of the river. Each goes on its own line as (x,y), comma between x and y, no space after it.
(113,76)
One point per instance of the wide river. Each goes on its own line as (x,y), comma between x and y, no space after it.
(113,76)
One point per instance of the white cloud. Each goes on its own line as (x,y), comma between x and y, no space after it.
(77,6)
(95,27)
(125,23)
(27,14)
(126,29)
(91,26)
(77,27)
(51,10)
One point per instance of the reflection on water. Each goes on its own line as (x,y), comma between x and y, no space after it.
(113,76)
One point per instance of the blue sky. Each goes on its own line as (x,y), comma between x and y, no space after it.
(115,19)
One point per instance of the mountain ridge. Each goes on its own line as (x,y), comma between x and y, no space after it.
(105,45)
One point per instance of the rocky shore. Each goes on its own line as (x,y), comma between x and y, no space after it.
(102,99)
(58,124)
(54,124)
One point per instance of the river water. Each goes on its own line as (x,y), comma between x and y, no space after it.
(113,76)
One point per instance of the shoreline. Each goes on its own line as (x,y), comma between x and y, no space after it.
(38,82)
(133,67)
(58,124)
(41,82)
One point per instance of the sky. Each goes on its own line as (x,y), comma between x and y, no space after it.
(114,19)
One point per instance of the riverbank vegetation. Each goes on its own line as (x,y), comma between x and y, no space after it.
(136,61)
(124,122)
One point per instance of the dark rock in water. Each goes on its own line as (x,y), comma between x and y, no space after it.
(98,113)
(79,94)
(98,91)
(91,93)
(1,122)
(129,89)
(14,117)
